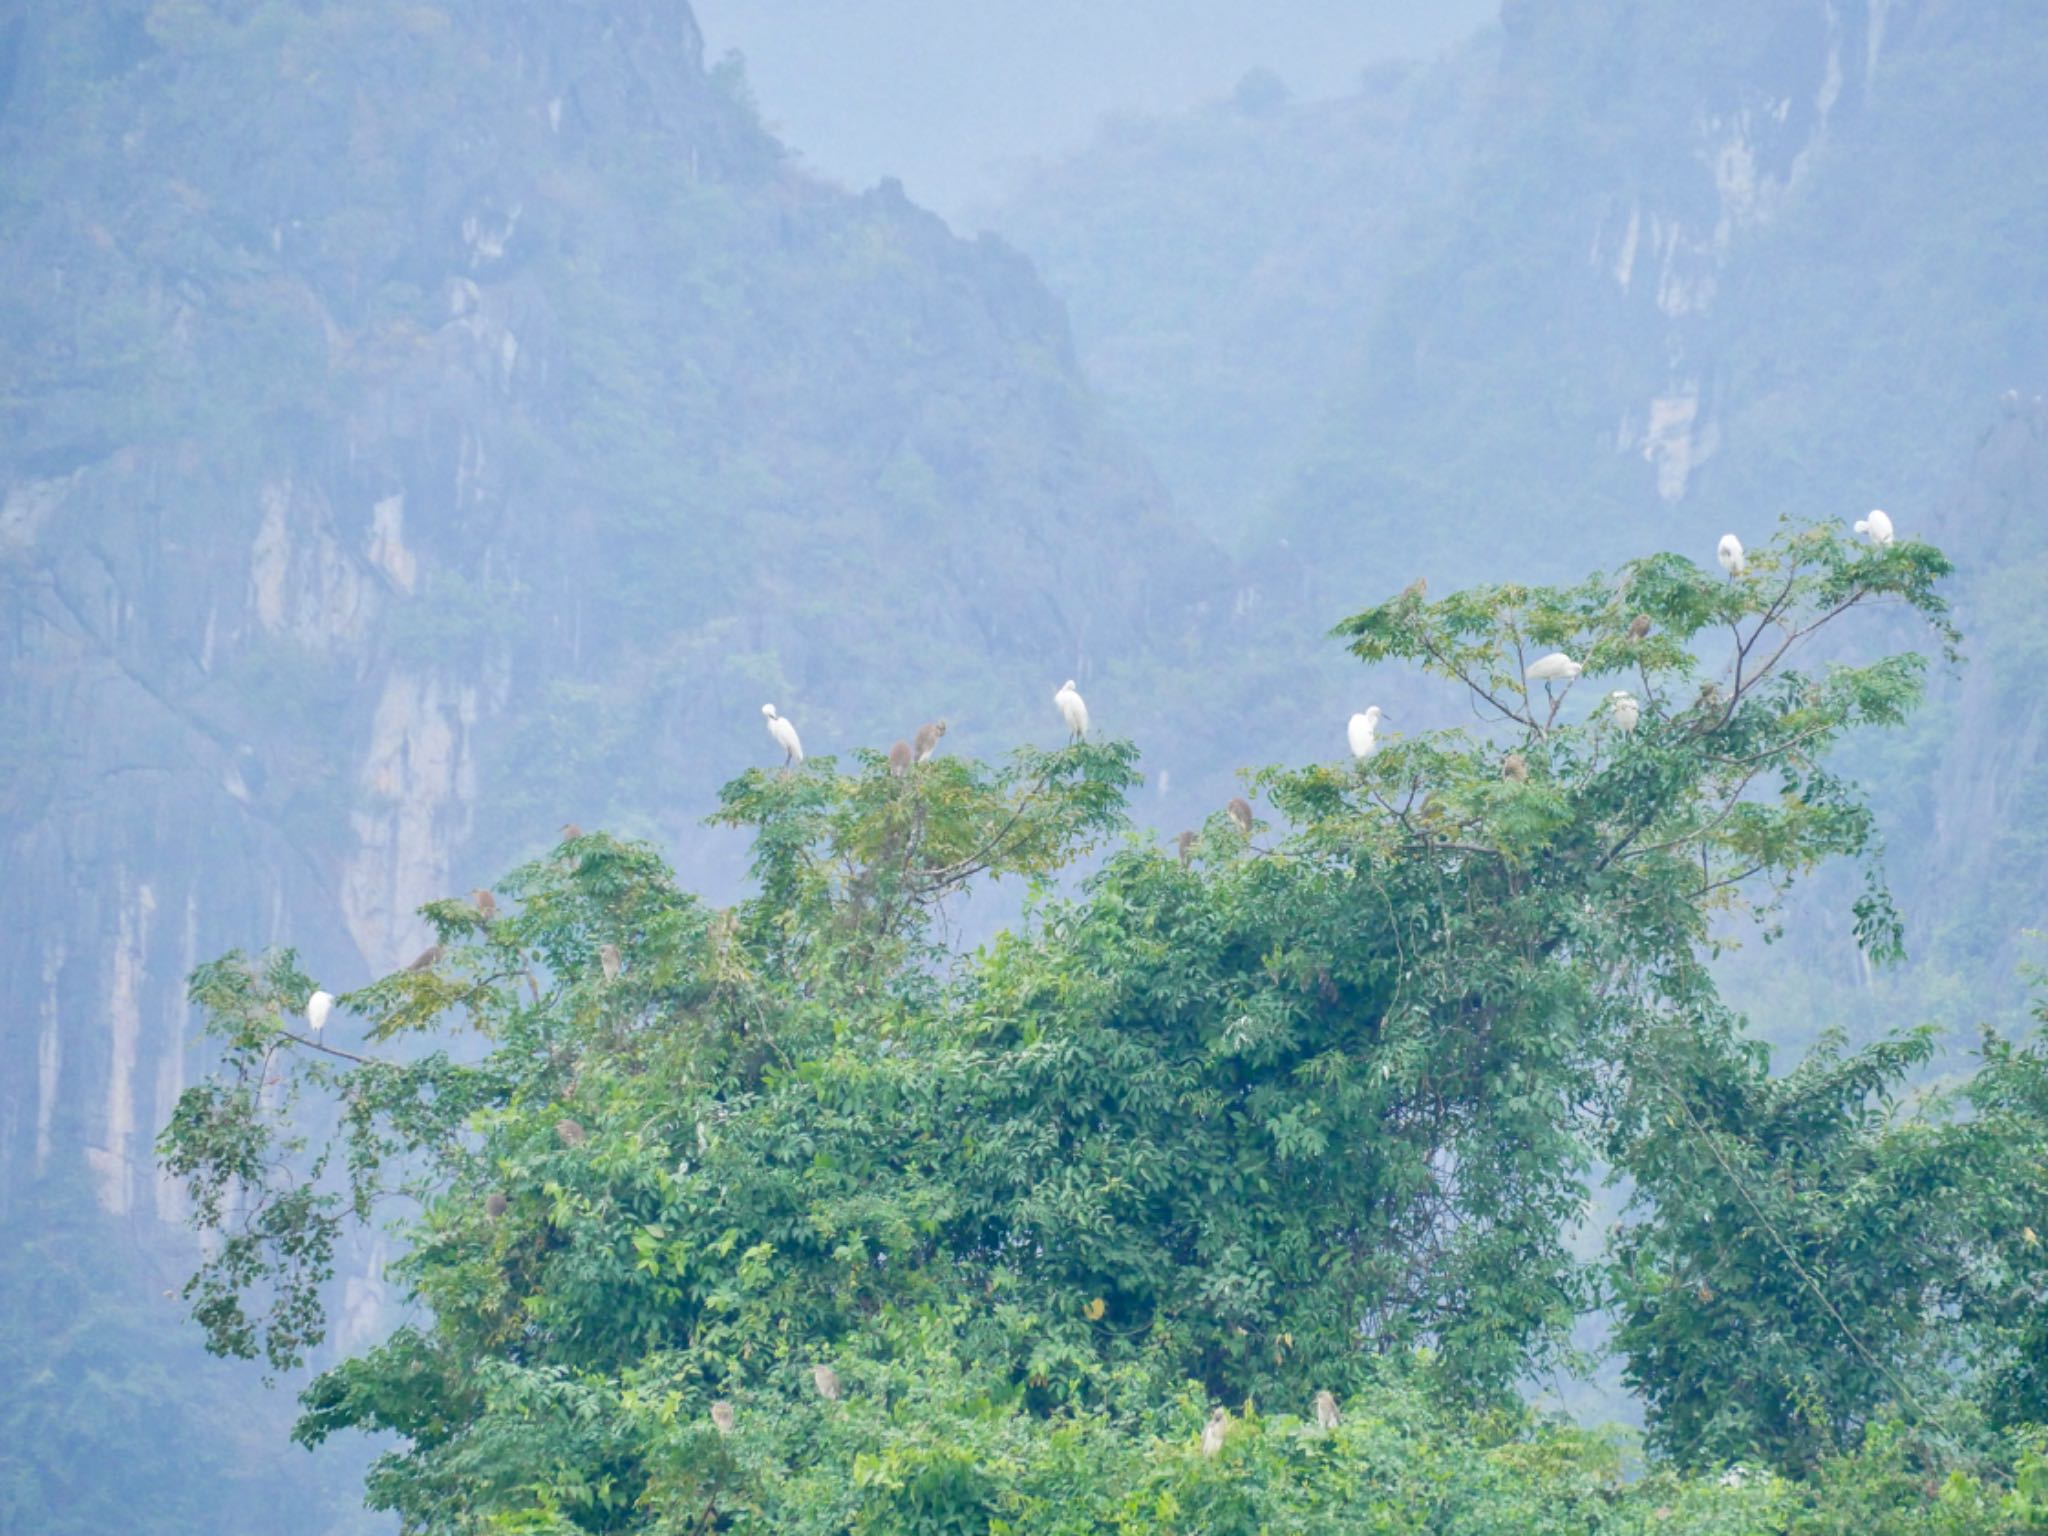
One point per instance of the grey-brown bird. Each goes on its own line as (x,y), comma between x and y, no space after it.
(494,1204)
(608,957)
(1639,626)
(926,742)
(1326,1410)
(1241,813)
(427,958)
(1418,588)
(1214,1431)
(899,759)
(570,831)
(826,1380)
(485,903)
(722,1416)
(1186,843)
(569,1133)
(1515,766)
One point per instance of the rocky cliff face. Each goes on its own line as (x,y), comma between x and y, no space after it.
(429,423)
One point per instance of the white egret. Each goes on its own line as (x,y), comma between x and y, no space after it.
(1623,706)
(1072,709)
(1360,732)
(1214,1431)
(1556,667)
(784,734)
(1729,553)
(899,759)
(608,957)
(826,1380)
(926,742)
(318,1006)
(1326,1410)
(1878,527)
(1241,813)
(722,1416)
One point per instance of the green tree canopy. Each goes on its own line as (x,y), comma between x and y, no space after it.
(1301,1110)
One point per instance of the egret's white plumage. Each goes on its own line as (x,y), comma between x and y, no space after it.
(1729,553)
(784,734)
(1623,706)
(1214,1431)
(1326,1410)
(1877,526)
(1556,667)
(1362,731)
(318,1006)
(1072,709)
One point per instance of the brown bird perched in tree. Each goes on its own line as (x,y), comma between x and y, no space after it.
(1214,1431)
(1418,588)
(1186,843)
(608,957)
(569,1132)
(1326,1410)
(722,1416)
(485,903)
(826,1380)
(427,958)
(899,759)
(1639,626)
(494,1204)
(570,831)
(1241,813)
(1515,766)
(926,742)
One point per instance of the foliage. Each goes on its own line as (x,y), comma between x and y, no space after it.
(1235,1127)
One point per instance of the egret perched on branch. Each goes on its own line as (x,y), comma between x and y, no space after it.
(318,1006)
(1878,526)
(608,957)
(1214,1431)
(1553,668)
(1361,730)
(926,741)
(1623,706)
(1729,553)
(784,734)
(1072,709)
(1326,1410)
(826,1380)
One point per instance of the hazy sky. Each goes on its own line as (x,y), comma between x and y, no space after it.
(944,93)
